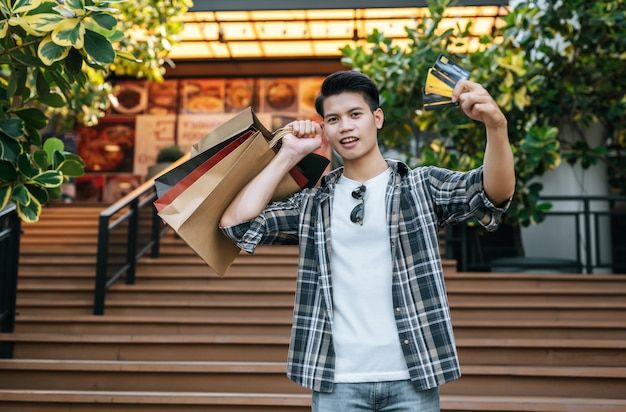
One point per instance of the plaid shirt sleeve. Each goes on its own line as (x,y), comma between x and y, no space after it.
(276,225)
(460,196)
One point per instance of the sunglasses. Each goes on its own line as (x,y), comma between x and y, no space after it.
(356,216)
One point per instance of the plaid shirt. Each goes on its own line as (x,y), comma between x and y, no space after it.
(419,203)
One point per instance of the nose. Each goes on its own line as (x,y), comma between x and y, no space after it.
(346,124)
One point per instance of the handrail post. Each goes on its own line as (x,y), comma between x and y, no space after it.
(131,251)
(101,265)
(156,234)
(10,236)
(588,263)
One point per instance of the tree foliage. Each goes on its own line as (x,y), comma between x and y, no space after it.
(55,59)
(550,63)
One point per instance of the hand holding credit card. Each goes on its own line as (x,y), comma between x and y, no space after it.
(440,82)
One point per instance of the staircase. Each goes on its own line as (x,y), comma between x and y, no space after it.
(184,339)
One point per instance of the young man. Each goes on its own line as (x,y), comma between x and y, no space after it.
(371,328)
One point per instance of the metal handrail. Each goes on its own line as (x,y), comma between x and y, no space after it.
(10,231)
(586,223)
(126,210)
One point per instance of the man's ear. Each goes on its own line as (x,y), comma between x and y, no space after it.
(379,118)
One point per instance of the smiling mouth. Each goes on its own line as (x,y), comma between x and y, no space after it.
(348,140)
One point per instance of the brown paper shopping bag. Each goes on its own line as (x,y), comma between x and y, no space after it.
(191,176)
(195,213)
(298,178)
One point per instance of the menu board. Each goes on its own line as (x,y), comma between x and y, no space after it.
(148,116)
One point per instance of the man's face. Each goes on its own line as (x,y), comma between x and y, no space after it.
(350,125)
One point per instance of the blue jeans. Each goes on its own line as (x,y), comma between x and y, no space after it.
(394,396)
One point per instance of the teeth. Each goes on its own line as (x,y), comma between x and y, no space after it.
(349,140)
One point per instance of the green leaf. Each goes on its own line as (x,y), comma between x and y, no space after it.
(41,159)
(50,52)
(22,6)
(5,196)
(42,22)
(99,47)
(76,4)
(4,8)
(70,32)
(4,27)
(127,56)
(10,148)
(26,59)
(57,159)
(30,212)
(33,135)
(41,83)
(46,7)
(55,192)
(116,36)
(49,178)
(17,81)
(12,127)
(7,171)
(33,117)
(61,82)
(39,193)
(71,168)
(51,144)
(74,62)
(74,157)
(20,194)
(105,20)
(52,100)
(25,167)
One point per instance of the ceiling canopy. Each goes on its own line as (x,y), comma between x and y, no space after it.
(242,29)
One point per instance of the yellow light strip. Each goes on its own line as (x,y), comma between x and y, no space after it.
(305,33)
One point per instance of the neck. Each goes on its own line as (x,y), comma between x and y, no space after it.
(362,170)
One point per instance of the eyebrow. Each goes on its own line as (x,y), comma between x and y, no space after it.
(356,108)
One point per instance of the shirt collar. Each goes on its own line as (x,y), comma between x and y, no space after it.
(396,166)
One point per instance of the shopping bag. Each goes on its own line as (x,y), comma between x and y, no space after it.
(236,125)
(195,213)
(174,176)
(305,174)
(194,169)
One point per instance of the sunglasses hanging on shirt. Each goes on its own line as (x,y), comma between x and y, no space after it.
(357,214)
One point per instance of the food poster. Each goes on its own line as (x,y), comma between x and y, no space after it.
(153,132)
(239,94)
(109,146)
(202,95)
(309,88)
(131,97)
(278,95)
(163,97)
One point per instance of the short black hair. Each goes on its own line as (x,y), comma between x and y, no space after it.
(348,81)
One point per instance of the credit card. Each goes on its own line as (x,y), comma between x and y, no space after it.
(439,105)
(440,82)
(451,68)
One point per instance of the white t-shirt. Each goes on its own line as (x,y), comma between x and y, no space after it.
(365,335)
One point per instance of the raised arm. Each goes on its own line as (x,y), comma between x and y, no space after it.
(305,138)
(498,166)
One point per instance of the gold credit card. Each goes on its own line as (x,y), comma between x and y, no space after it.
(451,68)
(440,82)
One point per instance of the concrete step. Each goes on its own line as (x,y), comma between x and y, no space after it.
(269,377)
(189,347)
(216,325)
(98,401)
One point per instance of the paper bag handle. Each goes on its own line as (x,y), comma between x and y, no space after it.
(279,134)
